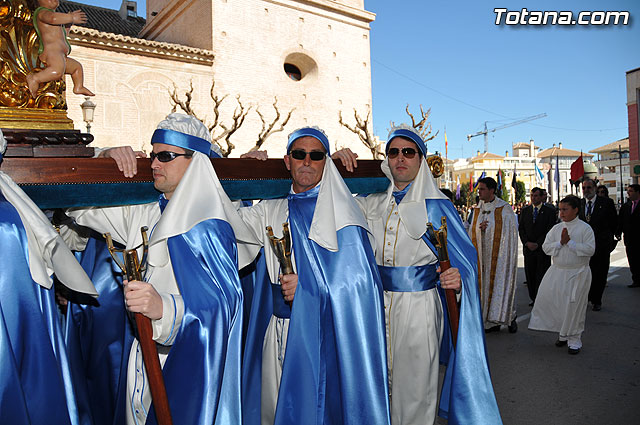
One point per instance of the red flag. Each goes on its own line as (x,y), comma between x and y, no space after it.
(471,183)
(577,169)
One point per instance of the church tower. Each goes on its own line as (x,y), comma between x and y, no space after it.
(312,55)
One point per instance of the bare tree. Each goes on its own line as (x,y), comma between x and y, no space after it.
(219,130)
(423,127)
(268,129)
(185,105)
(362,129)
(239,114)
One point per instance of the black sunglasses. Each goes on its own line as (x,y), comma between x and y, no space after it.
(166,156)
(301,155)
(406,152)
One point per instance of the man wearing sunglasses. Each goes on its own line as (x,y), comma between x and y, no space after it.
(191,290)
(320,358)
(418,335)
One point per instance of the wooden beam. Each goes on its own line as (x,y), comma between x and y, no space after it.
(29,171)
(81,182)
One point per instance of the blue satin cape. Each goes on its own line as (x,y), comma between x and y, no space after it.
(334,370)
(467,395)
(99,337)
(259,304)
(202,371)
(35,380)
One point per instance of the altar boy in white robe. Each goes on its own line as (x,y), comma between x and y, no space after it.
(562,298)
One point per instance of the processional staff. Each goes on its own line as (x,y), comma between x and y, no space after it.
(133,268)
(439,240)
(282,248)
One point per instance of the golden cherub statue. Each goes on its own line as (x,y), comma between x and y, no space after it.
(51,27)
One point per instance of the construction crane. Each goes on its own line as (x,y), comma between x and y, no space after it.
(491,130)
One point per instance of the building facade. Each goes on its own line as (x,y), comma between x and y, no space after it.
(613,168)
(556,164)
(521,160)
(311,55)
(633,99)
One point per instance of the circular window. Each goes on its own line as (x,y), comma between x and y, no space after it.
(293,71)
(298,66)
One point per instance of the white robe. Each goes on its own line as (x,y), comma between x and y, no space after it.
(497,260)
(562,298)
(413,320)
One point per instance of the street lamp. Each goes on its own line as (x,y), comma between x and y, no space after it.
(620,152)
(87,112)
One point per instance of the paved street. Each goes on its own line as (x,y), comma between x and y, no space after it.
(538,383)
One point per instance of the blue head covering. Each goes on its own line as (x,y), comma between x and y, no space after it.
(314,132)
(184,131)
(408,132)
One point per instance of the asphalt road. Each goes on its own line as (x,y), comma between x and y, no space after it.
(537,383)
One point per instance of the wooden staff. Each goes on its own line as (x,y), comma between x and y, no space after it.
(439,240)
(132,269)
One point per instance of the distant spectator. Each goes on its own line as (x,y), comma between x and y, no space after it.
(535,222)
(603,191)
(449,194)
(602,216)
(629,225)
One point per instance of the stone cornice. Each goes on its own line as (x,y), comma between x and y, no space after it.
(81,36)
(360,15)
(343,9)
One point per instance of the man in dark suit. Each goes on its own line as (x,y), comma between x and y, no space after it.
(535,221)
(629,225)
(601,215)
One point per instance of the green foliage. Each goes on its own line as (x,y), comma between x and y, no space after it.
(520,192)
(504,193)
(464,195)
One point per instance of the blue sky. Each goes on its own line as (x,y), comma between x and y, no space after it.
(450,57)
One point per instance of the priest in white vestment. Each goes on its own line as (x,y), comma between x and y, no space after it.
(562,297)
(494,233)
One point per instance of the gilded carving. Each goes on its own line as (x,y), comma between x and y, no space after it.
(19,56)
(436,164)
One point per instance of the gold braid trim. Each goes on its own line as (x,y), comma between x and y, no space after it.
(494,250)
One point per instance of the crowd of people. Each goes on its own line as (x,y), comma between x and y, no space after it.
(352,331)
(566,250)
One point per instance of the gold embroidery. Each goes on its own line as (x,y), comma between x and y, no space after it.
(497,233)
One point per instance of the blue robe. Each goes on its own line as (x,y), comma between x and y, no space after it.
(467,395)
(334,369)
(202,371)
(35,381)
(99,337)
